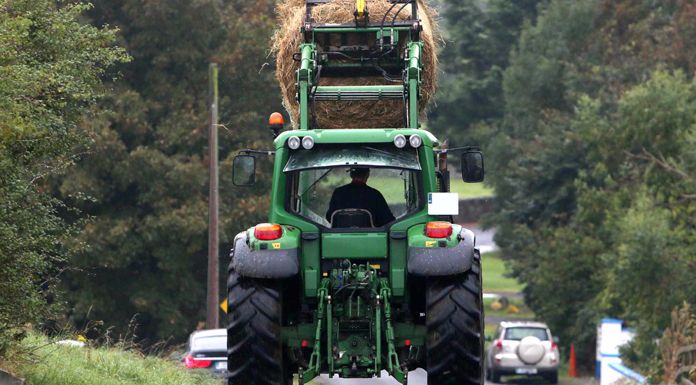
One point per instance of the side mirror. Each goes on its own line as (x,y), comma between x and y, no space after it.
(472,166)
(244,170)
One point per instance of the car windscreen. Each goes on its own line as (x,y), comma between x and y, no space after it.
(517,333)
(377,155)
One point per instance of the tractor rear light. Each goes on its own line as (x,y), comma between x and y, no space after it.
(267,231)
(193,363)
(400,141)
(438,229)
(294,142)
(415,141)
(407,343)
(304,343)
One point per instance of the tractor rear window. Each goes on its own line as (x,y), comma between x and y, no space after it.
(355,197)
(516,334)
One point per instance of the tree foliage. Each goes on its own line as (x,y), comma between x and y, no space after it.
(478,39)
(51,67)
(593,165)
(148,177)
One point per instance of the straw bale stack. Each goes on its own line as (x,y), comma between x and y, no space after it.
(352,114)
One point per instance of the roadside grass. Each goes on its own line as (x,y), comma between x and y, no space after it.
(469,190)
(42,362)
(494,278)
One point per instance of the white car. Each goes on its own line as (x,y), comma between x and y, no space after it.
(207,349)
(522,348)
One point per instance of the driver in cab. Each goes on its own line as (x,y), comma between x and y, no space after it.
(358,195)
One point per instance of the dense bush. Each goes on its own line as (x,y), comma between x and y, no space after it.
(589,131)
(51,66)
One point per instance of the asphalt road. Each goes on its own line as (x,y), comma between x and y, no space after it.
(416,377)
(420,377)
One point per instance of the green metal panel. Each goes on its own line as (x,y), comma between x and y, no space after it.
(397,266)
(358,92)
(409,331)
(354,245)
(310,266)
(305,76)
(414,68)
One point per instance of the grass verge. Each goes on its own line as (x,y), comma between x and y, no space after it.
(42,362)
(494,278)
(470,190)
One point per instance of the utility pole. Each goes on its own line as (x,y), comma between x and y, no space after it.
(212,312)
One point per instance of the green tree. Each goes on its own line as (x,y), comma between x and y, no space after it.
(592,165)
(51,67)
(148,177)
(478,39)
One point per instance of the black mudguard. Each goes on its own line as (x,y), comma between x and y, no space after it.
(441,261)
(262,263)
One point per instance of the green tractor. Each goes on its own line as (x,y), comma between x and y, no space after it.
(347,278)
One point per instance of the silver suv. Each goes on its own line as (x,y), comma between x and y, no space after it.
(522,348)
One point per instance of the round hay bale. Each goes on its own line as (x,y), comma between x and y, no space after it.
(350,114)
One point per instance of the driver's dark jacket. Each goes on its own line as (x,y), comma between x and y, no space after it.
(361,196)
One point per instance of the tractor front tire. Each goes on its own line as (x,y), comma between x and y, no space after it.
(254,345)
(454,324)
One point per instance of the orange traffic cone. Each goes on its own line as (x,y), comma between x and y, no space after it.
(572,368)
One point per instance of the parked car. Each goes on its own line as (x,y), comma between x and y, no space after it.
(207,349)
(522,348)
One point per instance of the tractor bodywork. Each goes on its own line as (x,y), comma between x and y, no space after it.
(309,297)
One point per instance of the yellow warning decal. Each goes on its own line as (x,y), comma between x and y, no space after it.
(376,267)
(276,245)
(430,243)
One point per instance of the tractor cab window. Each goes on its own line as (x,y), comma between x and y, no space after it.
(358,187)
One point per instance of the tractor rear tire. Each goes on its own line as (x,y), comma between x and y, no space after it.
(454,324)
(254,345)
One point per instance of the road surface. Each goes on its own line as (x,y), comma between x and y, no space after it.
(419,377)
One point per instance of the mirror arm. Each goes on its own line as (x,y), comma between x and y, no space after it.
(448,150)
(250,151)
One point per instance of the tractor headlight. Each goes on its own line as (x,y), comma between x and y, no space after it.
(400,141)
(415,141)
(307,142)
(294,142)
